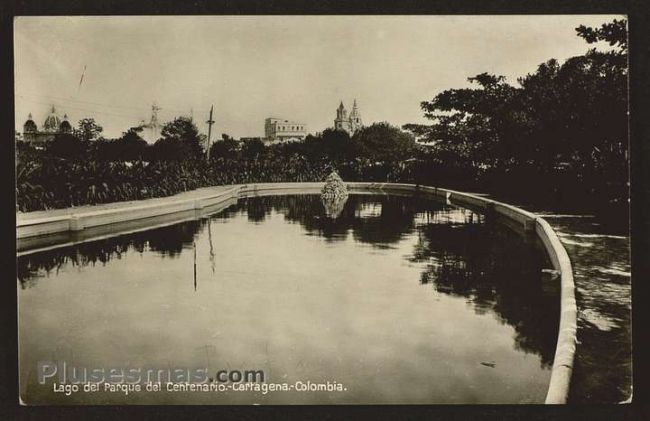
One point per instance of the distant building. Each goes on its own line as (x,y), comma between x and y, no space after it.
(279,130)
(350,123)
(52,126)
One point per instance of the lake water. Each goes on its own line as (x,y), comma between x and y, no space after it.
(397,300)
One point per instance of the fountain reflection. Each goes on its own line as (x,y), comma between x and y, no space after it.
(334,205)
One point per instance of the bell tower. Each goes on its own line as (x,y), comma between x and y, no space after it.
(355,118)
(341,122)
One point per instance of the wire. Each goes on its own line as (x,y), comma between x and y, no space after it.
(80,109)
(72,100)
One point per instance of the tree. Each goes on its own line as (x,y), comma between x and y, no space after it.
(253,148)
(225,148)
(614,33)
(580,106)
(88,130)
(179,140)
(131,146)
(332,144)
(337,145)
(568,117)
(66,146)
(384,143)
(559,114)
(480,125)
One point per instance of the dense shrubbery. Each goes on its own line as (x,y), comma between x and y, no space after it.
(51,182)
(75,170)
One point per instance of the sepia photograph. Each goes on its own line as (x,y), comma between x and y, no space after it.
(322,209)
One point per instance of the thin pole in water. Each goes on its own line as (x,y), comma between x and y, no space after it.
(194,265)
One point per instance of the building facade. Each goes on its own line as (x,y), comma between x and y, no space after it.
(52,126)
(350,123)
(280,130)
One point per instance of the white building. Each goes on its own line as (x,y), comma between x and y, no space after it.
(280,130)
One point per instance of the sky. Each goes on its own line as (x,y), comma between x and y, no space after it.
(253,67)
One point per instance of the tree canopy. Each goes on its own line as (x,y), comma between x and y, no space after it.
(180,140)
(563,113)
(88,130)
(384,143)
(226,148)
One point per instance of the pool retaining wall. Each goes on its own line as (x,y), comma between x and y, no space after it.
(68,228)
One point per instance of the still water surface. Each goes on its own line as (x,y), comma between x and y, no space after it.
(400,300)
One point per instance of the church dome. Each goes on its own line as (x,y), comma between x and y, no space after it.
(52,122)
(65,126)
(29,126)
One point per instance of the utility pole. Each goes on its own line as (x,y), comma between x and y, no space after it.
(210,122)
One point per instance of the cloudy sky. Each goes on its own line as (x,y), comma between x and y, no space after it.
(253,67)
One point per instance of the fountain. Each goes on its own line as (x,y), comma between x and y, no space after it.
(334,195)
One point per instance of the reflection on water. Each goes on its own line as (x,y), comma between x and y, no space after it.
(402,300)
(334,205)
(477,263)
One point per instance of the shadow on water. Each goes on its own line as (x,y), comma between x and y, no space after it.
(492,268)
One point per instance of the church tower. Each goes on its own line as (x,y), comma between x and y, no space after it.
(355,118)
(350,123)
(341,122)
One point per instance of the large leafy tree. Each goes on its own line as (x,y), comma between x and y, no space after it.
(381,142)
(476,125)
(253,148)
(66,146)
(336,144)
(579,108)
(88,130)
(563,115)
(180,140)
(226,148)
(614,33)
(131,146)
(332,145)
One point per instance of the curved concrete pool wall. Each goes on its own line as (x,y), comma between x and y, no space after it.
(87,225)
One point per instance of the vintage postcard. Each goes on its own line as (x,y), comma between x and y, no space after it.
(304,210)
